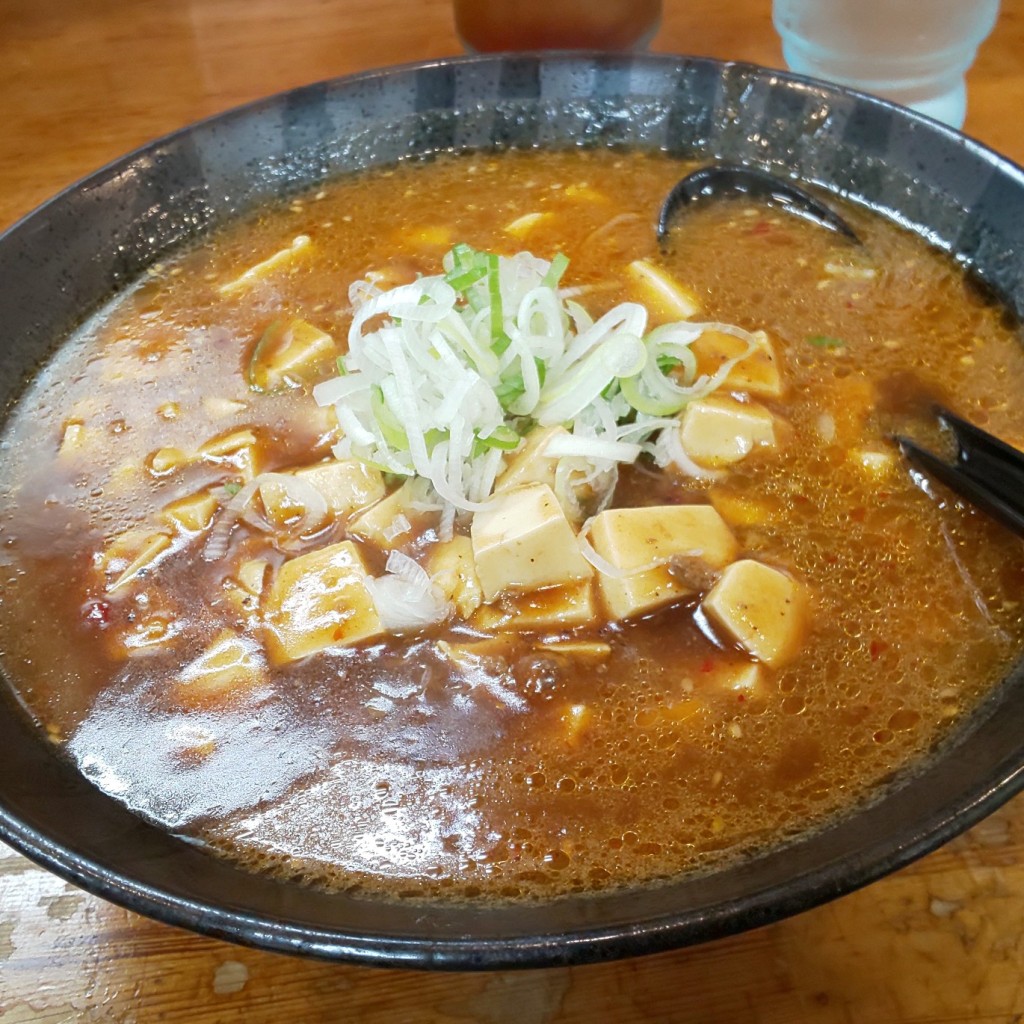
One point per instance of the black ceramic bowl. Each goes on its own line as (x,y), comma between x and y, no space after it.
(67,257)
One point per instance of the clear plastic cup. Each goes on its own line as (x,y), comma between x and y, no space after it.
(914,52)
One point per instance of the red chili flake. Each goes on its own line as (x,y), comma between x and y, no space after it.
(849,304)
(884,495)
(98,612)
(857,514)
(878,647)
(741,697)
(762,227)
(708,666)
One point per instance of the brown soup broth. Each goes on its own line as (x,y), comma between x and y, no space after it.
(378,767)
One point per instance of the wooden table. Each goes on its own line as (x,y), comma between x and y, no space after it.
(83,82)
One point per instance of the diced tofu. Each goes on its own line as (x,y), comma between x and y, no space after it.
(875,465)
(551,608)
(592,650)
(132,553)
(243,592)
(664,296)
(480,655)
(227,444)
(854,400)
(166,460)
(523,541)
(191,514)
(742,509)
(388,524)
(427,234)
(522,226)
(757,373)
(532,463)
(585,192)
(289,501)
(252,575)
(74,437)
(286,355)
(674,713)
(718,431)
(452,568)
(217,407)
(528,464)
(146,635)
(576,719)
(632,538)
(317,601)
(745,678)
(347,484)
(229,665)
(239,449)
(760,608)
(249,462)
(279,260)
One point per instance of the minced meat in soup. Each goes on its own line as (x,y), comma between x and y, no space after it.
(542,560)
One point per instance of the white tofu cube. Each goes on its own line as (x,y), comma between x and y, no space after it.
(760,608)
(633,538)
(347,484)
(551,608)
(874,465)
(317,601)
(523,541)
(191,514)
(756,373)
(522,226)
(130,555)
(453,570)
(265,268)
(529,464)
(718,431)
(230,665)
(575,720)
(661,293)
(739,679)
(389,523)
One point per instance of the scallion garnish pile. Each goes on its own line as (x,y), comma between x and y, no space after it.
(445,375)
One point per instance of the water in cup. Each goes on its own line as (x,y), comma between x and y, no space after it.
(914,52)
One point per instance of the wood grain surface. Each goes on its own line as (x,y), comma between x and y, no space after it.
(942,941)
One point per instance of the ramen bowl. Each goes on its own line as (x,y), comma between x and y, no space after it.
(63,261)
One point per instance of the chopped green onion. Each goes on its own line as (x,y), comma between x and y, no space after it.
(433,437)
(232,488)
(391,430)
(825,341)
(499,339)
(558,265)
(461,281)
(510,389)
(503,437)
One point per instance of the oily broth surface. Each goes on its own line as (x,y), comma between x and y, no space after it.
(373,769)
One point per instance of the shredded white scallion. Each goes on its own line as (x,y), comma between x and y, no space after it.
(444,376)
(405,597)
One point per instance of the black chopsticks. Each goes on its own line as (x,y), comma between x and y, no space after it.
(987,472)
